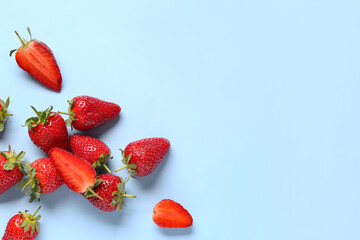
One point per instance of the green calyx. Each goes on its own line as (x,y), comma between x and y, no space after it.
(126,160)
(30,221)
(31,183)
(70,113)
(13,160)
(118,200)
(90,191)
(41,117)
(24,42)
(3,112)
(101,163)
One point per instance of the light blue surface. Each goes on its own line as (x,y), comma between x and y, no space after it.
(260,100)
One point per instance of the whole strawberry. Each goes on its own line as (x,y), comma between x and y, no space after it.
(42,178)
(170,214)
(3,112)
(86,112)
(91,149)
(11,169)
(143,156)
(48,130)
(111,189)
(36,58)
(23,226)
(76,172)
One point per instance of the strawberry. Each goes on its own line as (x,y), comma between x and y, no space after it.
(36,58)
(48,130)
(3,112)
(111,189)
(76,172)
(91,149)
(11,169)
(86,112)
(143,156)
(170,214)
(19,225)
(42,178)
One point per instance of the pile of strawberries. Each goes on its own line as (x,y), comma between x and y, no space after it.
(79,169)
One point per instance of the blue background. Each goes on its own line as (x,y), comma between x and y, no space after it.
(258,98)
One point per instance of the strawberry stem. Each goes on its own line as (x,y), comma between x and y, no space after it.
(106,168)
(36,212)
(37,113)
(95,194)
(22,42)
(125,166)
(8,114)
(128,195)
(64,113)
(27,184)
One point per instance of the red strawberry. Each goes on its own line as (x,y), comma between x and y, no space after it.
(19,225)
(112,189)
(76,172)
(91,149)
(3,112)
(11,169)
(42,177)
(36,58)
(170,214)
(48,130)
(143,156)
(86,112)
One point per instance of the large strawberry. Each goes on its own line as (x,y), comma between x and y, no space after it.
(143,156)
(23,226)
(77,173)
(170,214)
(36,58)
(48,130)
(3,112)
(93,150)
(111,189)
(11,169)
(42,178)
(86,112)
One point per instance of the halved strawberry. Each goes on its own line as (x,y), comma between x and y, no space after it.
(76,172)
(170,214)
(36,58)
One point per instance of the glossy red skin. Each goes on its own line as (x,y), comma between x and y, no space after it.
(87,147)
(13,230)
(147,154)
(38,60)
(49,177)
(105,190)
(76,172)
(170,214)
(92,112)
(53,134)
(8,178)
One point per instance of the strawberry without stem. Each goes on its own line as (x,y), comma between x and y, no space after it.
(36,58)
(42,178)
(47,130)
(91,149)
(3,112)
(76,172)
(23,226)
(11,169)
(112,189)
(170,214)
(143,156)
(87,112)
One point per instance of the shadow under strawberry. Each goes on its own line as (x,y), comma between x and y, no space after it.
(102,129)
(176,231)
(11,195)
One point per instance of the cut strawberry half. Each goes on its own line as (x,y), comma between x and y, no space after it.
(170,214)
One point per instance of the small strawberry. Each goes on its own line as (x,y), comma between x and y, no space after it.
(19,225)
(91,149)
(3,112)
(143,156)
(48,130)
(42,178)
(86,112)
(76,172)
(111,189)
(11,169)
(36,58)
(170,214)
